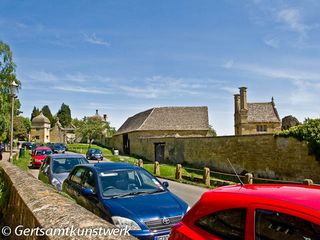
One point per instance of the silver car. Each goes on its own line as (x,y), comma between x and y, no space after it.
(57,167)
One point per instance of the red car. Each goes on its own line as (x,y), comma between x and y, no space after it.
(38,156)
(260,212)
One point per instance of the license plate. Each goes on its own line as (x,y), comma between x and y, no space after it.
(164,237)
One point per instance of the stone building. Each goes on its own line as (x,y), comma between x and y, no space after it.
(161,122)
(254,118)
(62,134)
(40,129)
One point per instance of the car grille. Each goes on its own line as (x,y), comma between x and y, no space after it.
(162,223)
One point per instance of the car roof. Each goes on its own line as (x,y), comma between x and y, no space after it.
(302,195)
(42,148)
(110,166)
(66,155)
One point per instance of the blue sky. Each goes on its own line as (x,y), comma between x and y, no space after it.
(123,57)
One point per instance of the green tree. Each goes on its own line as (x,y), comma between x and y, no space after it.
(91,128)
(64,115)
(288,122)
(7,76)
(211,132)
(309,131)
(35,112)
(46,112)
(21,127)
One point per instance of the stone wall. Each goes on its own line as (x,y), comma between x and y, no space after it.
(263,155)
(33,204)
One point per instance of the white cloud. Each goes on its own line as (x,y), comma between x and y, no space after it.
(42,76)
(228,64)
(231,90)
(82,89)
(292,18)
(95,40)
(272,42)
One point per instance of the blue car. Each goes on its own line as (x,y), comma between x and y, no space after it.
(127,196)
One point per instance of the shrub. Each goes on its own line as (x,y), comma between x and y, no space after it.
(308,131)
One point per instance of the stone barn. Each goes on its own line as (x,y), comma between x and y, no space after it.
(161,122)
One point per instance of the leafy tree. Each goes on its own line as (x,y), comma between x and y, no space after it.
(64,115)
(21,127)
(7,76)
(288,122)
(35,112)
(46,112)
(211,132)
(308,131)
(91,128)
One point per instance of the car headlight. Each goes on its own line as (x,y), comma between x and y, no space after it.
(122,223)
(55,182)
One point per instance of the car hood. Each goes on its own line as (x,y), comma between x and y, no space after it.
(144,207)
(40,157)
(60,176)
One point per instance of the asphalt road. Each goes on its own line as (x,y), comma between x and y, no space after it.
(189,193)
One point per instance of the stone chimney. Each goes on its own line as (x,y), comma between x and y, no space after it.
(237,103)
(243,98)
(97,112)
(105,117)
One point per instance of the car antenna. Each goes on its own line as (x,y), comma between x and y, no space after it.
(235,172)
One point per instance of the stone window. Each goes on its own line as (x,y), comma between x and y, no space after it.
(262,128)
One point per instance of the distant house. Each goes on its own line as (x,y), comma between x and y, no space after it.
(40,129)
(62,134)
(42,132)
(161,122)
(254,118)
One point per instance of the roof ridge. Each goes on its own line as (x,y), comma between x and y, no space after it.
(139,128)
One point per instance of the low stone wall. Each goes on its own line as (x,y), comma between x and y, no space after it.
(32,204)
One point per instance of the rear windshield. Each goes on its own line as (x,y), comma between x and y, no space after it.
(65,165)
(43,152)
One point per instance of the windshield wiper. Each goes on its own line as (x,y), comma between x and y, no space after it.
(129,194)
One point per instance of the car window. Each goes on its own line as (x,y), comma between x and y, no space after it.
(65,165)
(78,175)
(89,181)
(270,225)
(227,224)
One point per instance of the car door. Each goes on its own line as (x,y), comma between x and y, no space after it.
(91,203)
(273,222)
(45,170)
(73,184)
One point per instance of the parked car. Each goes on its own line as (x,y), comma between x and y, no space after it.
(57,167)
(58,148)
(261,212)
(38,155)
(94,153)
(127,196)
(27,145)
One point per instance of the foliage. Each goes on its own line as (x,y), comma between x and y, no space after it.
(35,112)
(7,76)
(288,122)
(91,128)
(21,127)
(211,132)
(64,115)
(308,131)
(46,112)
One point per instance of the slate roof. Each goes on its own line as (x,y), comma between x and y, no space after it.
(167,118)
(263,112)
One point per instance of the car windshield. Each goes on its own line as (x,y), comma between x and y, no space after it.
(124,183)
(65,165)
(57,146)
(95,151)
(43,152)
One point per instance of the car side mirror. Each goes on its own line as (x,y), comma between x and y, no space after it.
(87,192)
(165,184)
